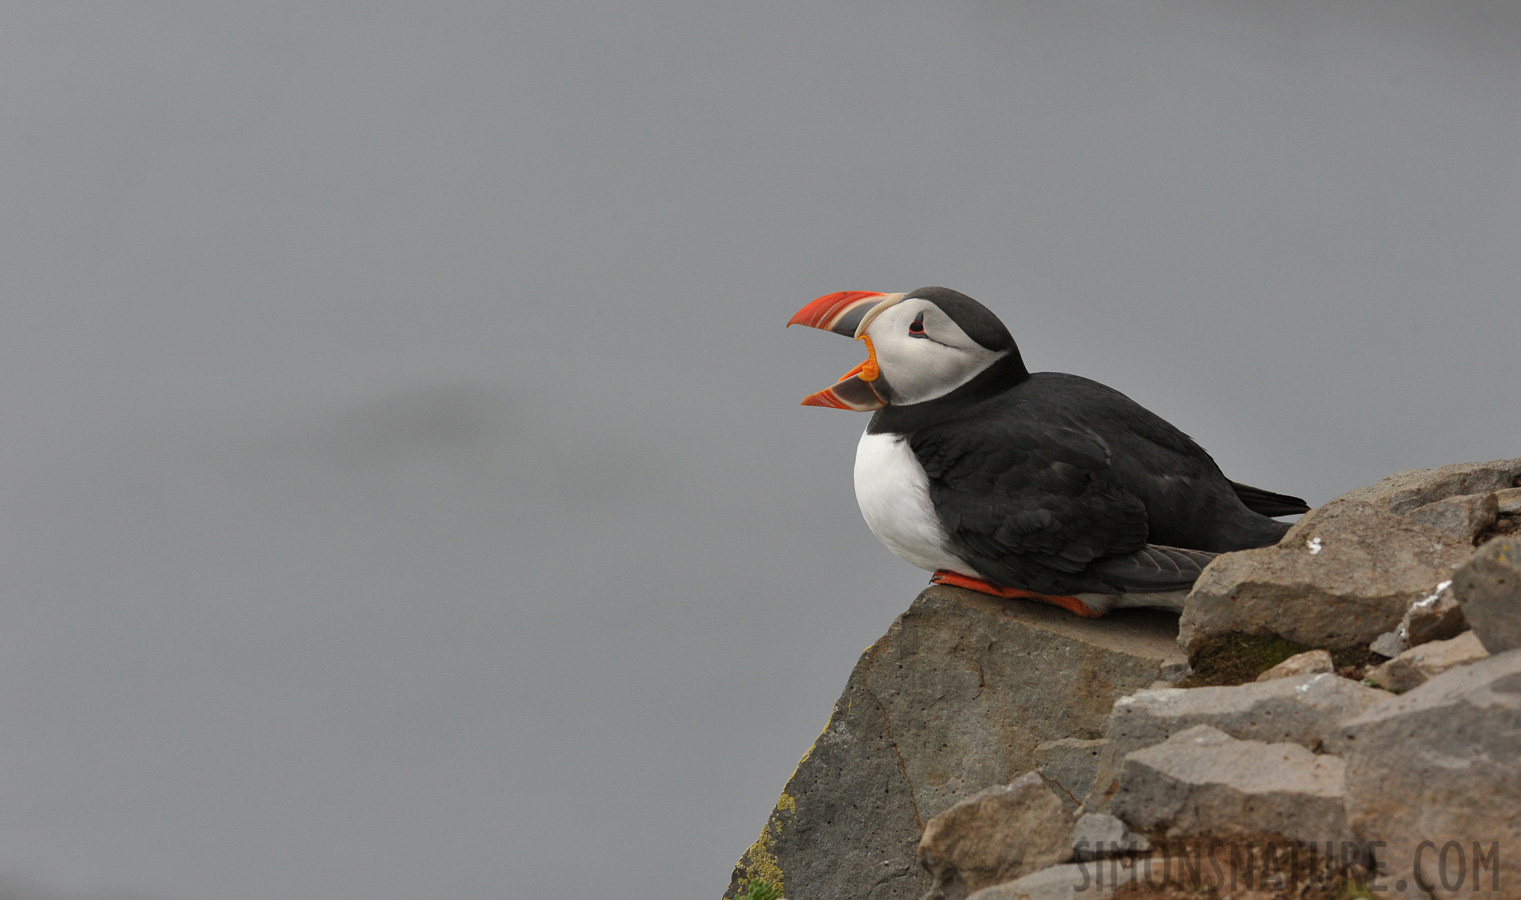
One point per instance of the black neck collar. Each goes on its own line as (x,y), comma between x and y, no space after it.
(990,382)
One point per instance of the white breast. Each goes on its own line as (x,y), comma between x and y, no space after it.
(893,492)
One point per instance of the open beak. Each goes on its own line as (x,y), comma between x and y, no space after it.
(848,313)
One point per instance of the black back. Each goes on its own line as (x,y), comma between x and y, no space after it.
(1058,484)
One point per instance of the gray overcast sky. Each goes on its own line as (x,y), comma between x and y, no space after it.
(404,488)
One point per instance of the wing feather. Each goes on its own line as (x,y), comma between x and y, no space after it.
(1038,507)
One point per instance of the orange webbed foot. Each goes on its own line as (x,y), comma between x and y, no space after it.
(1070,604)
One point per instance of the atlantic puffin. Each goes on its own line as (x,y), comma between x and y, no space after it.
(1042,486)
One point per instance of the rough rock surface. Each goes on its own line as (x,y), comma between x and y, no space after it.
(1404,492)
(954,698)
(1419,665)
(994,836)
(1389,645)
(1098,835)
(1068,766)
(1310,662)
(1204,782)
(1348,571)
(1435,617)
(1488,588)
(1240,866)
(1304,710)
(1464,517)
(1343,575)
(1441,764)
(1074,881)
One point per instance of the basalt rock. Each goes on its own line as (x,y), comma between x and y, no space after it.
(1348,571)
(1438,770)
(1436,617)
(1202,781)
(1388,645)
(1343,575)
(955,698)
(1100,835)
(1464,517)
(1310,662)
(1074,881)
(1419,665)
(994,836)
(1488,588)
(1068,766)
(1306,710)
(1405,492)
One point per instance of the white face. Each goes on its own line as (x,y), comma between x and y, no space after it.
(928,360)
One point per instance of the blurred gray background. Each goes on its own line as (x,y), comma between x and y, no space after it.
(404,488)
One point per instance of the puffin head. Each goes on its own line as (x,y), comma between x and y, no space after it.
(920,345)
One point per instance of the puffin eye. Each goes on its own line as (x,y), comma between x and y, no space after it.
(916,328)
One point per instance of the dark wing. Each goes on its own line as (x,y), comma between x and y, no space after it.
(1154,568)
(1035,506)
(1268,503)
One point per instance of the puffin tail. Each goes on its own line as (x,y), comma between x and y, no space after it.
(1267,503)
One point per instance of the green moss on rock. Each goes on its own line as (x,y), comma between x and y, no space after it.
(1238,658)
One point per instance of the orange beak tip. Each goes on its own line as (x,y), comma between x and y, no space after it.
(851,394)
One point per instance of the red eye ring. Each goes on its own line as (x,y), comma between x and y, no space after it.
(916,328)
